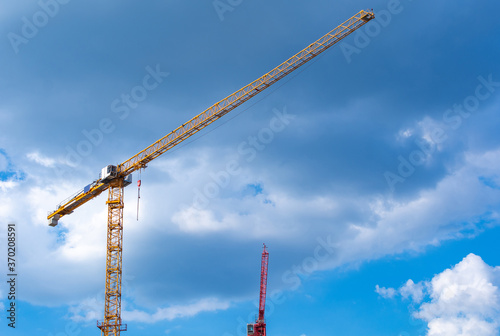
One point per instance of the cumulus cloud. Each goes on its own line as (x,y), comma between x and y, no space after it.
(177,311)
(388,293)
(91,309)
(41,159)
(88,309)
(413,291)
(365,227)
(4,162)
(463,300)
(434,215)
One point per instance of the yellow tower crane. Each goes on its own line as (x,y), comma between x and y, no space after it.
(115,178)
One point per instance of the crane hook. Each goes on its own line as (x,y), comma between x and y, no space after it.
(138,193)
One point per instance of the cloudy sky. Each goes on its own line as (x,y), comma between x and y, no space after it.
(372,174)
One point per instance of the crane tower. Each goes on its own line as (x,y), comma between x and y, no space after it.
(259,327)
(115,178)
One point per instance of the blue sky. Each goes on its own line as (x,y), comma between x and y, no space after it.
(371,174)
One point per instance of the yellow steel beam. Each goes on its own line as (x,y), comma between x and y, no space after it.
(79,198)
(112,324)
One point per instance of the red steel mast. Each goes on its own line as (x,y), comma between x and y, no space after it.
(259,328)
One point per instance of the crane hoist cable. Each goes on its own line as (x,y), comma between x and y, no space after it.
(138,192)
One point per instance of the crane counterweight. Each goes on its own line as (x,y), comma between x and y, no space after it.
(106,176)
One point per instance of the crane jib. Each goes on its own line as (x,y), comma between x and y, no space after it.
(213,113)
(226,105)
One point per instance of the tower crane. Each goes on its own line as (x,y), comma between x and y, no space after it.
(259,327)
(115,178)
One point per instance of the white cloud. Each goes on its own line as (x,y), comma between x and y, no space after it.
(271,213)
(414,291)
(461,301)
(168,331)
(41,160)
(387,293)
(199,220)
(434,215)
(90,309)
(6,186)
(427,127)
(4,162)
(404,134)
(53,257)
(177,311)
(464,298)
(371,228)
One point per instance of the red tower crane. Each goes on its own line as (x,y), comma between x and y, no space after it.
(259,327)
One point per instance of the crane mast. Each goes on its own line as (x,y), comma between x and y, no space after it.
(259,327)
(263,282)
(115,177)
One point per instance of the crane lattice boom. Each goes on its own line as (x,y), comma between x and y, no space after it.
(216,111)
(259,327)
(263,283)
